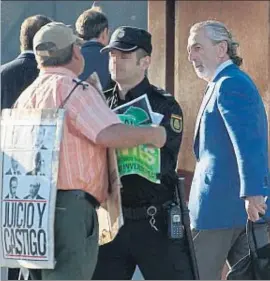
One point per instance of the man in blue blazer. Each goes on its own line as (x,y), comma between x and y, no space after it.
(19,73)
(231,148)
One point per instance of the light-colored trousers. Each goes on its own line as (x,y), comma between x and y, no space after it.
(214,247)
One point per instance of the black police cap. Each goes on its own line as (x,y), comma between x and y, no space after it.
(128,39)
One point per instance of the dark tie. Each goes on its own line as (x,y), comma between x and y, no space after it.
(206,89)
(113,103)
(196,134)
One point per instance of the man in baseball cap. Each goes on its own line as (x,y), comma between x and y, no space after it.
(128,39)
(90,127)
(54,37)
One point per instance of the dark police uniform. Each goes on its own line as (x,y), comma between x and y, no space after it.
(138,242)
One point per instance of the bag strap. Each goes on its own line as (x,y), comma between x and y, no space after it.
(77,83)
(251,237)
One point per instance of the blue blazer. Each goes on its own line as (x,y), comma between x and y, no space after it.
(16,76)
(231,148)
(94,61)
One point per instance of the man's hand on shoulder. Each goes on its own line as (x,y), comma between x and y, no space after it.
(255,205)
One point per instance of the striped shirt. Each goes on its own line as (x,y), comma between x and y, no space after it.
(82,163)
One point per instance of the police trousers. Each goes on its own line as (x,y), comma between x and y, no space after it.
(138,243)
(76,240)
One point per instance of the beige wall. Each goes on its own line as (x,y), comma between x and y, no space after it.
(157,27)
(249,23)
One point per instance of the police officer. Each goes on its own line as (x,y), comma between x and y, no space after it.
(142,241)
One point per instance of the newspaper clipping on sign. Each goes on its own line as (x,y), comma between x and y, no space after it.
(30,144)
(142,160)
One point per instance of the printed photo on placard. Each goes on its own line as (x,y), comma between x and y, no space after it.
(41,164)
(30,146)
(23,187)
(10,192)
(15,167)
(15,163)
(38,189)
(29,137)
(37,163)
(44,134)
(24,216)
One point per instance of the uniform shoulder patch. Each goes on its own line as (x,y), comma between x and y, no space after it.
(176,123)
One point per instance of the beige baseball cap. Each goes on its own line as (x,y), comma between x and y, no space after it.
(53,37)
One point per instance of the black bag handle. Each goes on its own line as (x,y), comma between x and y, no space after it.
(251,237)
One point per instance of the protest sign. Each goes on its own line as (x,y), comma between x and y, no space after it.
(142,160)
(30,145)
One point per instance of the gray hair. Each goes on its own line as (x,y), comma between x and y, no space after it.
(218,32)
(54,58)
